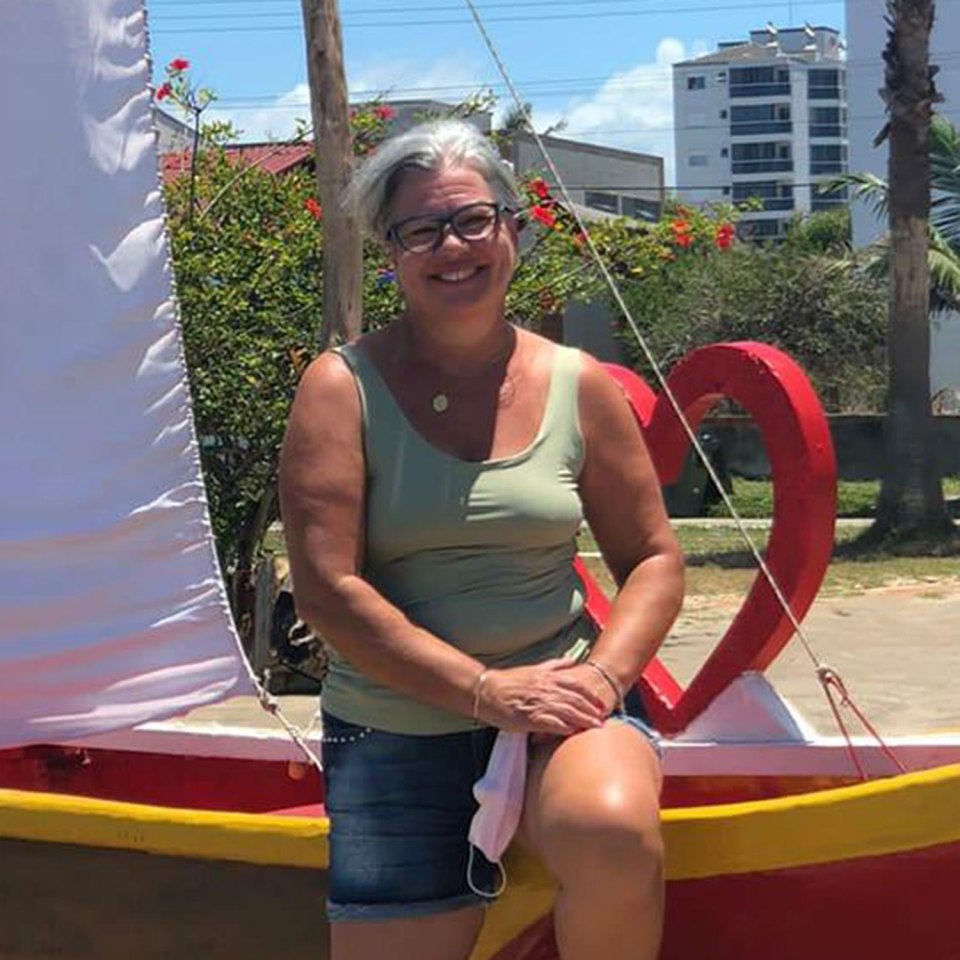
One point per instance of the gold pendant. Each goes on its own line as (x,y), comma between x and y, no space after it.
(440,402)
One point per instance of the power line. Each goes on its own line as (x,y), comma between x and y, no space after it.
(522,18)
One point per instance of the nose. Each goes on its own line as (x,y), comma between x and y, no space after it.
(447,232)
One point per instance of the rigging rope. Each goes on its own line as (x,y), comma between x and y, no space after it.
(829,679)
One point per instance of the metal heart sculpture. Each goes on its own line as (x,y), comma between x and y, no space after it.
(778,396)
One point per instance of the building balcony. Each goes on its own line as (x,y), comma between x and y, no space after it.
(756,128)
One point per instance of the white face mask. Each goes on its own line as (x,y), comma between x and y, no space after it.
(499,792)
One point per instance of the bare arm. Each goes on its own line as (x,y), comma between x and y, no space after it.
(624,508)
(322,486)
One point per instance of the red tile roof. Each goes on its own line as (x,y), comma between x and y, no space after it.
(272,157)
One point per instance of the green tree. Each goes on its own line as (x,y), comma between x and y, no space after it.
(823,311)
(248,281)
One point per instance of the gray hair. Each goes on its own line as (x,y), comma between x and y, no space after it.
(430,146)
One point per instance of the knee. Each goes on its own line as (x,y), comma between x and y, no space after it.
(606,839)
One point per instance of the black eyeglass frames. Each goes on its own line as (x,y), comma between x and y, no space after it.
(471,223)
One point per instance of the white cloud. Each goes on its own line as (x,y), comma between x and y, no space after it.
(450,79)
(633,110)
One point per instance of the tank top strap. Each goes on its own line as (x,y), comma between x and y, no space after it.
(561,421)
(379,411)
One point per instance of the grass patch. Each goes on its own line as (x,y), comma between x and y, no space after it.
(719,563)
(855,498)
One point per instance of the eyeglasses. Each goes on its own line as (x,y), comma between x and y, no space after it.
(471,223)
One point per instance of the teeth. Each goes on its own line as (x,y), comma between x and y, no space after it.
(457,275)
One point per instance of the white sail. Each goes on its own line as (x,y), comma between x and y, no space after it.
(112,610)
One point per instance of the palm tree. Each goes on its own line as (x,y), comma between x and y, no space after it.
(911,505)
(944,223)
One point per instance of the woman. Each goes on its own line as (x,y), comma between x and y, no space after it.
(433,478)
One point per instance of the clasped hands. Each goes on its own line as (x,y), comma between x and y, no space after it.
(558,697)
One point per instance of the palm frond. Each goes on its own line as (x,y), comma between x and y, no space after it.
(868,187)
(944,274)
(945,179)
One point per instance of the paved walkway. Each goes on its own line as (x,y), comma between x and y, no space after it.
(898,650)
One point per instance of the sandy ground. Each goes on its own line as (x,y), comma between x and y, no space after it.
(897,649)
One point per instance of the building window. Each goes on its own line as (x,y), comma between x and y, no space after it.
(602,201)
(726,191)
(828,122)
(828,158)
(724,152)
(760,119)
(697,160)
(773,194)
(759,81)
(639,208)
(723,114)
(824,84)
(697,83)
(759,229)
(761,158)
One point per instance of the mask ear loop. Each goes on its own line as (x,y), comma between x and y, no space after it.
(484,893)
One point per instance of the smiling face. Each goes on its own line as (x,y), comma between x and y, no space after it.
(461,279)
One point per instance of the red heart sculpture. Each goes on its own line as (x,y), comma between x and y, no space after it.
(777,394)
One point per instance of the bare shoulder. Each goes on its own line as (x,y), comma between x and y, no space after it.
(602,402)
(326,407)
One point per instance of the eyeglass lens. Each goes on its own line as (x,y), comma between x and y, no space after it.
(476,221)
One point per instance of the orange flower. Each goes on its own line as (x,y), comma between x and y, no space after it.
(313,208)
(178,65)
(383,112)
(164,91)
(682,235)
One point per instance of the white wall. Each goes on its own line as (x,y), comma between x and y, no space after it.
(866,37)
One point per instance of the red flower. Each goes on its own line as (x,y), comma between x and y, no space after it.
(723,238)
(383,112)
(539,186)
(178,65)
(542,215)
(313,208)
(164,91)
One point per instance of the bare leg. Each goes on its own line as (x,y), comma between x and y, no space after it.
(443,936)
(592,813)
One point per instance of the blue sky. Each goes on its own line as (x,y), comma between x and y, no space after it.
(603,66)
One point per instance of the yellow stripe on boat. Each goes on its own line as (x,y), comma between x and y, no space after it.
(908,812)
(200,834)
(902,813)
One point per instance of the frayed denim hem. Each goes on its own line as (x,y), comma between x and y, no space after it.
(653,738)
(352,912)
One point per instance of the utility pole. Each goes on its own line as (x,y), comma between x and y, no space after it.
(342,244)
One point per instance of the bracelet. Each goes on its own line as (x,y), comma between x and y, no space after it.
(614,686)
(478,692)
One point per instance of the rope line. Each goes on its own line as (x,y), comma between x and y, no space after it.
(828,678)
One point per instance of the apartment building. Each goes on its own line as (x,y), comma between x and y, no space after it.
(763,118)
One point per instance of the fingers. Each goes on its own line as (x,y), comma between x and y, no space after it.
(545,698)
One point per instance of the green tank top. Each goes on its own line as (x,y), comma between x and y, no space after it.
(480,554)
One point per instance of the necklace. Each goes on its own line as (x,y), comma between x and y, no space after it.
(440,400)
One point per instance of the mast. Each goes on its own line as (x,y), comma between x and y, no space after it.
(342,245)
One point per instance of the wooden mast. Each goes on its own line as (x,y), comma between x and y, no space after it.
(342,245)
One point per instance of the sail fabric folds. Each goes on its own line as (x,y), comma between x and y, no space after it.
(112,610)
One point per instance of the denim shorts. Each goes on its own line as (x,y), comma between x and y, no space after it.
(400,808)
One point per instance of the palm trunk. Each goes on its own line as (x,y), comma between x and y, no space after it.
(911,498)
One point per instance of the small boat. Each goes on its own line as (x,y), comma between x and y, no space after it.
(123,834)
